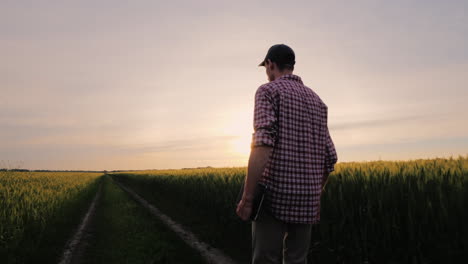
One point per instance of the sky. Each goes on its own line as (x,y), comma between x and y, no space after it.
(107,85)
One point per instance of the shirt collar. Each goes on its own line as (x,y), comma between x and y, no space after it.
(291,77)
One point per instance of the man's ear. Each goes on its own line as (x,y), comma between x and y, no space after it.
(271,65)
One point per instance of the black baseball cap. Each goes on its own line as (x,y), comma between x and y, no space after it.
(281,54)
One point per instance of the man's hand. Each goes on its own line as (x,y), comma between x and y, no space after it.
(244,209)
(258,159)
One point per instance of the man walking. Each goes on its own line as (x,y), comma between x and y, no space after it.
(293,154)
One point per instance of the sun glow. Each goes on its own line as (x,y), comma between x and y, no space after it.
(241,145)
(237,124)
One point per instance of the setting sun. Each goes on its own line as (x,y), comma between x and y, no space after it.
(241,145)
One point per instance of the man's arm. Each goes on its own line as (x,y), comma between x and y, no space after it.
(263,142)
(258,159)
(263,139)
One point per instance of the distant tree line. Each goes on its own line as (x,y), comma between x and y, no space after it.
(26,170)
(207,167)
(101,171)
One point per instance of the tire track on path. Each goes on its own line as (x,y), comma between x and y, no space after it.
(209,253)
(74,246)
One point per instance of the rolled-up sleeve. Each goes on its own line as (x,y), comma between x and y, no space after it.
(265,119)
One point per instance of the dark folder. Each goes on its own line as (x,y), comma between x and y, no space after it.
(258,200)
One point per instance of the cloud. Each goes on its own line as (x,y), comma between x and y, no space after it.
(376,122)
(199,144)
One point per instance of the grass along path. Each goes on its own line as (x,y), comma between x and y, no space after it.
(125,232)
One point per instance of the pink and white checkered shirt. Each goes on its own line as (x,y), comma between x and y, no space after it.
(292,118)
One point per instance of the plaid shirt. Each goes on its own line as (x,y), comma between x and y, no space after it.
(292,118)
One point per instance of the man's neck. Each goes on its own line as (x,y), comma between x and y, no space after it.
(282,73)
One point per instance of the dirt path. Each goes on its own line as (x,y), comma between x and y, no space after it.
(77,244)
(210,254)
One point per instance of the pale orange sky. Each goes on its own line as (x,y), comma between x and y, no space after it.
(170,84)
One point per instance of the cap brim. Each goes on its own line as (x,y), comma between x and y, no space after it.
(262,63)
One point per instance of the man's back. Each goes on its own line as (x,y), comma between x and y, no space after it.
(293,119)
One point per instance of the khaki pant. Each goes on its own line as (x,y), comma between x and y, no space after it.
(274,241)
